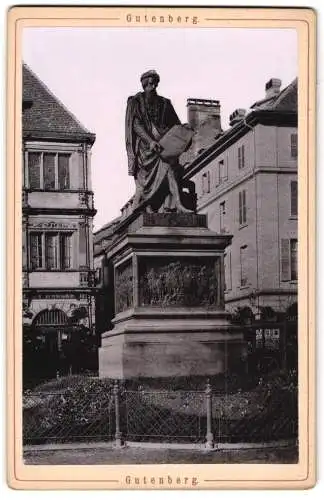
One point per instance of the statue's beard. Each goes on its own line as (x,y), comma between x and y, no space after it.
(150,94)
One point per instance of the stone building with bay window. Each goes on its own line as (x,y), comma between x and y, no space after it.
(57,253)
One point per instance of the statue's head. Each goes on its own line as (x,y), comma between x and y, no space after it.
(150,80)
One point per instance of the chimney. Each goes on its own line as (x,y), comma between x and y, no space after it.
(272,87)
(201,110)
(236,116)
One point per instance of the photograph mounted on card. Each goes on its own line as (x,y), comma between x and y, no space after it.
(159,249)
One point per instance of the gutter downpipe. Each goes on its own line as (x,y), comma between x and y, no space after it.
(256,213)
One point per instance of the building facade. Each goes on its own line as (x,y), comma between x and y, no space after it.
(57,240)
(246,182)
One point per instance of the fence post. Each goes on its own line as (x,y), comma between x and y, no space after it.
(118,436)
(209,435)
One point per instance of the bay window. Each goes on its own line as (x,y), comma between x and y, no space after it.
(50,251)
(48,171)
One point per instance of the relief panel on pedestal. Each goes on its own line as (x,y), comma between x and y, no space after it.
(179,282)
(124,287)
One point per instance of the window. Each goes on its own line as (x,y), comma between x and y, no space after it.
(36,250)
(293,260)
(65,251)
(243,265)
(228,270)
(50,317)
(34,162)
(242,207)
(206,182)
(63,172)
(241,157)
(289,260)
(222,213)
(294,145)
(222,172)
(51,251)
(293,198)
(49,171)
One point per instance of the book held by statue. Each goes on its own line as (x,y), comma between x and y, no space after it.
(176,141)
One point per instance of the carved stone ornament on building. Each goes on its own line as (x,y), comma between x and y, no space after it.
(25,279)
(57,296)
(53,225)
(83,199)
(86,200)
(87,278)
(84,278)
(186,282)
(24,199)
(124,287)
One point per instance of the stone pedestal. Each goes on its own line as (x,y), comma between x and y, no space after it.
(169,301)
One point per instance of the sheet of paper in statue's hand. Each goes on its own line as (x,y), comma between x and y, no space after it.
(176,141)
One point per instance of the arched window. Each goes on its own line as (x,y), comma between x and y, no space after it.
(50,317)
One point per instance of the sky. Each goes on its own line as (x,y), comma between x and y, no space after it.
(94,70)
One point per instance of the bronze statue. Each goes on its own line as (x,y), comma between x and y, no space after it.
(159,184)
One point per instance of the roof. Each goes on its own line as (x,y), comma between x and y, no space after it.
(106,231)
(286,100)
(278,110)
(45,116)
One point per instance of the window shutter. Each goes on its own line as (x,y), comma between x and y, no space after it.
(294,145)
(218,173)
(244,206)
(225,168)
(208,182)
(293,198)
(285,257)
(228,271)
(239,157)
(240,208)
(293,260)
(242,157)
(225,272)
(243,263)
(221,215)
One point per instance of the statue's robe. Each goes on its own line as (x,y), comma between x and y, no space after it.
(147,121)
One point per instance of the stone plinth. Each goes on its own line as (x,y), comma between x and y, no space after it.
(169,301)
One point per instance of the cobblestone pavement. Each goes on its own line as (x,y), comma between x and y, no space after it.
(137,455)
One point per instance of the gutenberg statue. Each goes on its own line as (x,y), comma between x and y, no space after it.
(158,179)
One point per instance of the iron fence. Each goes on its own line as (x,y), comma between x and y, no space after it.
(267,416)
(67,416)
(164,415)
(114,413)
